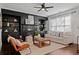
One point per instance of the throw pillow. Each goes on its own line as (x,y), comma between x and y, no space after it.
(10,37)
(18,43)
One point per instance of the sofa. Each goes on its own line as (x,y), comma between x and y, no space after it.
(65,38)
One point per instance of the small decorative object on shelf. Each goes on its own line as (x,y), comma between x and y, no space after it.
(29,29)
(6,30)
(15,20)
(15,30)
(5,19)
(20,36)
(8,24)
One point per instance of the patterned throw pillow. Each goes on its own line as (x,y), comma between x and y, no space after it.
(10,37)
(18,43)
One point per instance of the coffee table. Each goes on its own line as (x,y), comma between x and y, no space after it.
(41,42)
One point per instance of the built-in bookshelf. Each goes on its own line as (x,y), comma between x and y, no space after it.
(19,24)
(10,26)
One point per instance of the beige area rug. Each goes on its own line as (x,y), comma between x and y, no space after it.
(42,51)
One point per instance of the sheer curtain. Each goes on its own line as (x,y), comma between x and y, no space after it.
(60,23)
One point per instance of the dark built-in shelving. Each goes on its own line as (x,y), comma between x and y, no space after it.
(8,16)
(10,26)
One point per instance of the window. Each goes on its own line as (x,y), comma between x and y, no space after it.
(60,24)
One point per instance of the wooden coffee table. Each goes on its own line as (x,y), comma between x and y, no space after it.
(41,42)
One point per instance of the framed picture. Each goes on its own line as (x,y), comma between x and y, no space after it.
(30,19)
(26,21)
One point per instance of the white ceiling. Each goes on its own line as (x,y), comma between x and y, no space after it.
(29,7)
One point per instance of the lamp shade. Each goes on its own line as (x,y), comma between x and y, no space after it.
(6,30)
(15,30)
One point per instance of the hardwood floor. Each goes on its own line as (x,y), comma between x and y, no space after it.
(69,50)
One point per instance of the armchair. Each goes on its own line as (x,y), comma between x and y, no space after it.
(19,48)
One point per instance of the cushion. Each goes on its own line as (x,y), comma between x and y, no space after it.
(23,43)
(67,34)
(18,43)
(10,37)
(53,33)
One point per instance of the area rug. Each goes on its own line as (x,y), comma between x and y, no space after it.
(42,51)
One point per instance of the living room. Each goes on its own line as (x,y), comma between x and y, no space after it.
(38,28)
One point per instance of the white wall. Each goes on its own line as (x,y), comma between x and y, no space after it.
(74,22)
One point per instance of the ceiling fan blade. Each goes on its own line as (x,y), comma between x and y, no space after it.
(39,9)
(49,7)
(45,9)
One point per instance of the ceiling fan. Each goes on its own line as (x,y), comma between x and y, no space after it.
(43,7)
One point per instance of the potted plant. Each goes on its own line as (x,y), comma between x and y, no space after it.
(36,33)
